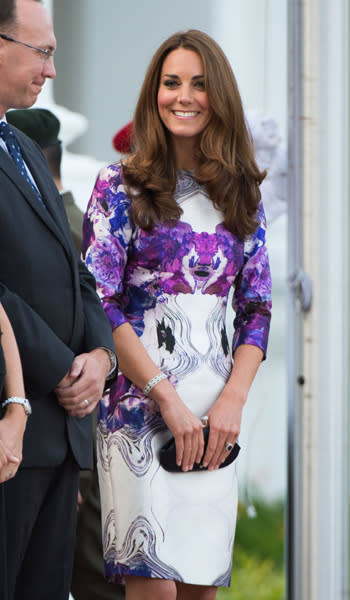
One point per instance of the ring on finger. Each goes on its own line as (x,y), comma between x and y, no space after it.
(205,420)
(86,402)
(228,446)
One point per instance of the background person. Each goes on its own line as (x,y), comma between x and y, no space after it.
(167,233)
(64,338)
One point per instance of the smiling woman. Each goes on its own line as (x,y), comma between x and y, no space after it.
(167,233)
(183,102)
(222,154)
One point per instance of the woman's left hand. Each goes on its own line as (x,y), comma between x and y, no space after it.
(224,426)
(226,414)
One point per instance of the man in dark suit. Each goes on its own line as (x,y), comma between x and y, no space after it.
(88,582)
(64,338)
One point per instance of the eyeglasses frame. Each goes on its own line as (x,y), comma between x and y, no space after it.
(46,54)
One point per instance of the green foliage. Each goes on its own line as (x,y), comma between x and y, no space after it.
(253,579)
(257,572)
(263,536)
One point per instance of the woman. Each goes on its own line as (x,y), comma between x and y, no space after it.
(167,233)
(12,425)
(13,422)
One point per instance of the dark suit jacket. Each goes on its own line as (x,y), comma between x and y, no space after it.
(51,302)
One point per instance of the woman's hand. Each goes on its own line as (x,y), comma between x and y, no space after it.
(225,415)
(187,430)
(12,428)
(137,365)
(224,419)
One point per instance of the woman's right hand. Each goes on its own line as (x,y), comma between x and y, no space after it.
(11,441)
(136,364)
(186,428)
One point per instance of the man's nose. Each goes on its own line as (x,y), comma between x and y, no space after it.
(49,68)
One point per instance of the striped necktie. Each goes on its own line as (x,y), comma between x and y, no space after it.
(15,152)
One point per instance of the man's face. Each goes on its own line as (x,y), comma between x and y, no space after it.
(23,70)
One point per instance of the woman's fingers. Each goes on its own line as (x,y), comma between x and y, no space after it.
(216,459)
(189,443)
(217,451)
(179,444)
(225,452)
(212,449)
(189,446)
(199,455)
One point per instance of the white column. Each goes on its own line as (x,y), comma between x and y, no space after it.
(319,434)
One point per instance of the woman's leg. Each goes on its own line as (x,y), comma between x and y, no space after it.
(144,588)
(195,592)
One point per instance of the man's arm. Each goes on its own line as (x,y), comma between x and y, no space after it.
(82,388)
(45,358)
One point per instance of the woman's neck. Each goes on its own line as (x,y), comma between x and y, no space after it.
(184,149)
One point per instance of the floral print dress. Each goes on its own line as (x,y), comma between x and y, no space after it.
(172,286)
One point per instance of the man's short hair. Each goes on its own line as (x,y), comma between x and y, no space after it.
(8,14)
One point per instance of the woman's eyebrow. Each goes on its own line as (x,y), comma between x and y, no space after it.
(174,76)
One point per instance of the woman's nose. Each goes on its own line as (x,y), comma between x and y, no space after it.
(185,95)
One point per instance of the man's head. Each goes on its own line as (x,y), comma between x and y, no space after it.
(27,42)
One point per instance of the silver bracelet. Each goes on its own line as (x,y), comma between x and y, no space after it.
(152,382)
(17,400)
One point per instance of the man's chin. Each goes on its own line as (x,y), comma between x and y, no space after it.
(27,102)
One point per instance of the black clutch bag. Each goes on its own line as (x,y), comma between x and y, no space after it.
(167,456)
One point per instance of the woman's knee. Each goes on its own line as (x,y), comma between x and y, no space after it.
(144,588)
(195,592)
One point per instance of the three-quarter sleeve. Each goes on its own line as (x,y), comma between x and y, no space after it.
(252,295)
(106,236)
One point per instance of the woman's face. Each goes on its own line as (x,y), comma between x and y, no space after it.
(183,103)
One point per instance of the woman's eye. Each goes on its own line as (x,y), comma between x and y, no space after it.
(200,85)
(171,83)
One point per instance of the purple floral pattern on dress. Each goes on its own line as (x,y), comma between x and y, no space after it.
(136,271)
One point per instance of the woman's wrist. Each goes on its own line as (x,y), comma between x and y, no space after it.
(163,393)
(16,414)
(18,400)
(153,382)
(236,394)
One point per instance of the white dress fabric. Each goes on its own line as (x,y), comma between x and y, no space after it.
(172,285)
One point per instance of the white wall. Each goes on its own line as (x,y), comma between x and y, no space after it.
(253,35)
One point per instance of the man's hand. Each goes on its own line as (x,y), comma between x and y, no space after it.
(82,387)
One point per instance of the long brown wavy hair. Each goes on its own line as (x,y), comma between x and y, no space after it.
(225,156)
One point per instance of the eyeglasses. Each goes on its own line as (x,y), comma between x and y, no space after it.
(44,54)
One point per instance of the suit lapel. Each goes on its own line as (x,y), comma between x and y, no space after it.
(50,215)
